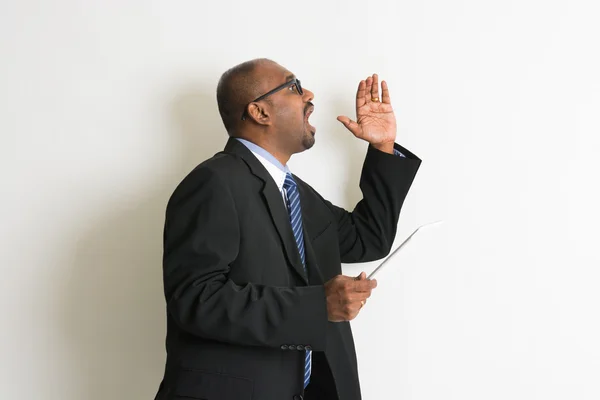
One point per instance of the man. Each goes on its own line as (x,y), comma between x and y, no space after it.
(257,307)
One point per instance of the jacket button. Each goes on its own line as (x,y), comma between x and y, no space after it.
(284,347)
(300,347)
(298,397)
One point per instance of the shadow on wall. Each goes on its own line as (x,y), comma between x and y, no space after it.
(114,310)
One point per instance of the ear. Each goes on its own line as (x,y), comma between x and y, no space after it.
(259,113)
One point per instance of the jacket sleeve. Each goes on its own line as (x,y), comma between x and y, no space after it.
(367,233)
(201,240)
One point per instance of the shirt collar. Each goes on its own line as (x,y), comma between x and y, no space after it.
(271,164)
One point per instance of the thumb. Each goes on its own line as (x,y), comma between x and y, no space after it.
(361,276)
(351,125)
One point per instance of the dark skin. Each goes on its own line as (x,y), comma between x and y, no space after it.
(279,124)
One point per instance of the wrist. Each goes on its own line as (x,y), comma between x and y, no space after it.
(384,147)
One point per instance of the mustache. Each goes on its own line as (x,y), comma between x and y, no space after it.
(308,106)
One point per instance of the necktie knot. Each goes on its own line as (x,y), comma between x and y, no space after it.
(289,182)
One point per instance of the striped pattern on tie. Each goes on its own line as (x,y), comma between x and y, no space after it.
(293,204)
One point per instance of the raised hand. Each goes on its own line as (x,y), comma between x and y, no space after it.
(375,119)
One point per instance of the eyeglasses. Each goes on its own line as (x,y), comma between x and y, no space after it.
(294,82)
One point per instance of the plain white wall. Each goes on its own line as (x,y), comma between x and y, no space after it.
(105,106)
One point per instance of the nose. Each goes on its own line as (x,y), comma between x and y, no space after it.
(307,95)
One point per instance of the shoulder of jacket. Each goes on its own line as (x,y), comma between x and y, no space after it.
(217,170)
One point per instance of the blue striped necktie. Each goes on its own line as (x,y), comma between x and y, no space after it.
(293,205)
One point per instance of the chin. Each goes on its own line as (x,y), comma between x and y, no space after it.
(309,136)
(309,141)
(305,140)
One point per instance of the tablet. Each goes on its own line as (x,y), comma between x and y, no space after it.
(380,266)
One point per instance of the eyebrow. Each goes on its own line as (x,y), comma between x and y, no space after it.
(290,77)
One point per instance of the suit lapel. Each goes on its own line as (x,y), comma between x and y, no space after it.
(274,203)
(314,273)
(281,219)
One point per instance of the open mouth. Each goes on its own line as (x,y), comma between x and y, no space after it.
(309,111)
(307,115)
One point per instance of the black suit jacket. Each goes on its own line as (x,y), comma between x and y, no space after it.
(240,309)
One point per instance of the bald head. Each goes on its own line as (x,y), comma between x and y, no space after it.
(237,87)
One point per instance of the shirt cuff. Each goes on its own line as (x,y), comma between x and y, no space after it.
(397,153)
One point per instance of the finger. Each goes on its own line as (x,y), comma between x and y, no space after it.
(363,285)
(360,94)
(385,93)
(359,297)
(352,126)
(368,88)
(361,276)
(356,299)
(358,309)
(375,87)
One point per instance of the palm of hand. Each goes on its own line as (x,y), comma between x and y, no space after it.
(375,120)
